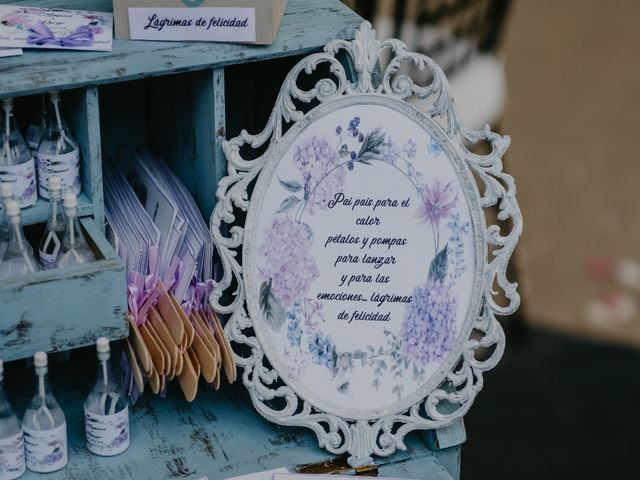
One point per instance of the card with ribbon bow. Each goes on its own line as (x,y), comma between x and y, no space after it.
(33,27)
(158,231)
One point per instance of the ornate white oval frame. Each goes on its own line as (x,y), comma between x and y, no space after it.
(451,393)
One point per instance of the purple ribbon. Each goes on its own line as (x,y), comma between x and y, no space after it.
(41,35)
(174,273)
(142,290)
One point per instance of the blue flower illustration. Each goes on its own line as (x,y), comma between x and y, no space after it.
(434,147)
(323,350)
(294,331)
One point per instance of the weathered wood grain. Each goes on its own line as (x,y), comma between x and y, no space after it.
(40,211)
(306,26)
(219,435)
(64,308)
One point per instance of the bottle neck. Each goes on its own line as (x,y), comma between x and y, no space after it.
(17,237)
(42,383)
(71,232)
(8,126)
(55,212)
(104,369)
(55,122)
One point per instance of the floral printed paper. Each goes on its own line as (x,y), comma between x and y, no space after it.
(364,259)
(17,23)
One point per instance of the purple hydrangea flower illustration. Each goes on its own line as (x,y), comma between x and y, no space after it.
(120,439)
(323,350)
(54,457)
(390,151)
(410,148)
(15,19)
(286,259)
(428,329)
(318,162)
(438,202)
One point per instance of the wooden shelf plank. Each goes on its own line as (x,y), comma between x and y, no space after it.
(40,211)
(219,435)
(307,26)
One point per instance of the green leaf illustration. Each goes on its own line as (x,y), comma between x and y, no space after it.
(438,268)
(291,185)
(371,147)
(288,203)
(272,309)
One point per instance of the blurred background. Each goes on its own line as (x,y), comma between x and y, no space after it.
(562,78)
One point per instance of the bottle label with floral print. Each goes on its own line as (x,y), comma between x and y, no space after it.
(46,450)
(66,167)
(12,457)
(107,434)
(23,179)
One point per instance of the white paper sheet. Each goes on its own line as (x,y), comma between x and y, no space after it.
(17,21)
(266,475)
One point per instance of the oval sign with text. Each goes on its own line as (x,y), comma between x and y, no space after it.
(364,257)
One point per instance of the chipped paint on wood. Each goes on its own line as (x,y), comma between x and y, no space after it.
(306,26)
(218,435)
(60,309)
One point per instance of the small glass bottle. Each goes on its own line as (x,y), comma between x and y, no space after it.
(45,427)
(6,193)
(58,153)
(75,249)
(106,412)
(11,438)
(17,166)
(18,259)
(35,130)
(51,240)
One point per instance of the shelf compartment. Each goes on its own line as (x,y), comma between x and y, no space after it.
(306,26)
(64,308)
(219,434)
(39,213)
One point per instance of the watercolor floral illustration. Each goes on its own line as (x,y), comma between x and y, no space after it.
(24,18)
(286,267)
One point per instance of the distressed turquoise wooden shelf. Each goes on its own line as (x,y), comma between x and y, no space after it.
(219,435)
(40,211)
(64,308)
(111,102)
(306,26)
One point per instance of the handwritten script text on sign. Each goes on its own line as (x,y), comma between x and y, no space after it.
(366,211)
(203,24)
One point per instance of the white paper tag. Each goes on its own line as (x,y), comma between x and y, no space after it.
(207,23)
(17,21)
(12,457)
(23,178)
(48,260)
(66,167)
(46,450)
(107,434)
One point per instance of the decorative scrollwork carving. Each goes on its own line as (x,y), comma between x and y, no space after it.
(272,397)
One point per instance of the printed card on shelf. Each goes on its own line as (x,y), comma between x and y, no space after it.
(300,476)
(267,475)
(10,52)
(53,28)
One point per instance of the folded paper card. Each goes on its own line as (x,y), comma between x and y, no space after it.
(266,475)
(300,476)
(10,52)
(243,21)
(31,27)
